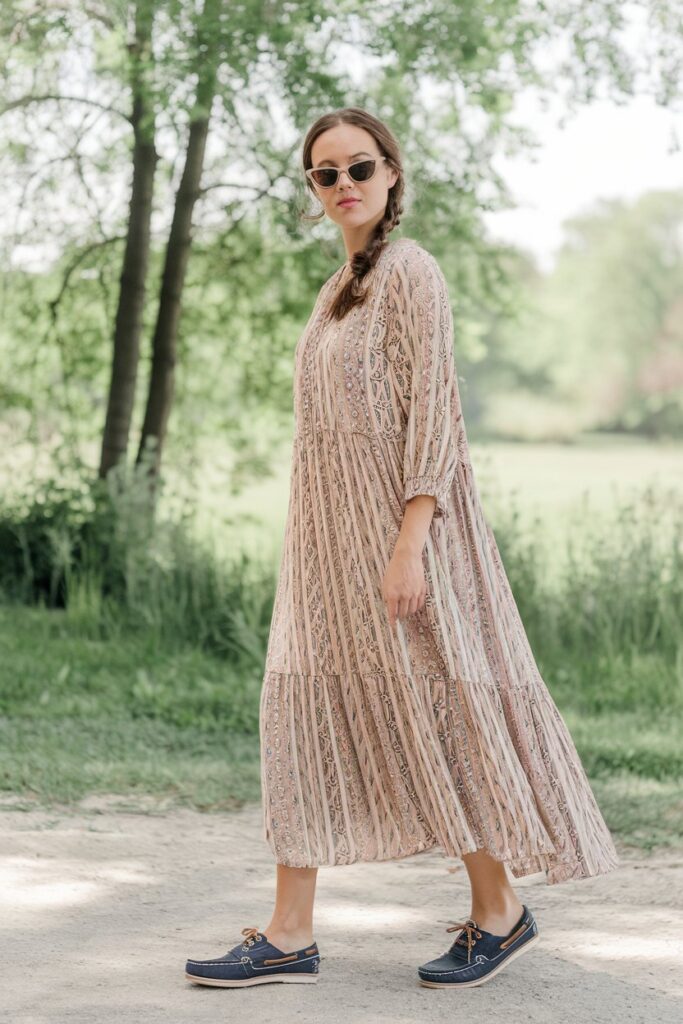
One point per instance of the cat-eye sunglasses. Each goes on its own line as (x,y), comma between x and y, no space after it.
(326,177)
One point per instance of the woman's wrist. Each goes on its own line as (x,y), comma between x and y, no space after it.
(418,515)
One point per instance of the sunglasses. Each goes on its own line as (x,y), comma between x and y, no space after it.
(326,177)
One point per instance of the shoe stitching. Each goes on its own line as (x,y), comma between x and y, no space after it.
(479,959)
(239,963)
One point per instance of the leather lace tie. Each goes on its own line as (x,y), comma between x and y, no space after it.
(251,935)
(470,927)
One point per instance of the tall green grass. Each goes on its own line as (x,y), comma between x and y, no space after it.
(608,628)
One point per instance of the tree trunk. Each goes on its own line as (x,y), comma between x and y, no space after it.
(129,314)
(162,377)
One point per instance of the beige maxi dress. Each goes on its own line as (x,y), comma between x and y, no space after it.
(379,743)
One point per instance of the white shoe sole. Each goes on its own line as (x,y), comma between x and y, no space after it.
(480,981)
(292,979)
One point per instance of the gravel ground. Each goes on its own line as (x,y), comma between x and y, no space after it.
(102,904)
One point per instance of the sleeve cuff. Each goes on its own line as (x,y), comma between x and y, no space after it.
(428,485)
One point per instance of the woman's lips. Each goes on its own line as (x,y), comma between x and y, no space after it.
(348,202)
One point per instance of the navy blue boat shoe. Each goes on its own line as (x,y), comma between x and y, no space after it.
(255,961)
(459,967)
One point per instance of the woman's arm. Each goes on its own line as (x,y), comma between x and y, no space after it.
(423,315)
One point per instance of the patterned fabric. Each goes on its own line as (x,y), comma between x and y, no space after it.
(377,744)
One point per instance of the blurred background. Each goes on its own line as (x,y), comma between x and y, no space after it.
(156,272)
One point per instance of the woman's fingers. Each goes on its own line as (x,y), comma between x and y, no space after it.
(401,607)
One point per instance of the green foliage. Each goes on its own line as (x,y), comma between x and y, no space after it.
(598,343)
(255,267)
(97,549)
(50,534)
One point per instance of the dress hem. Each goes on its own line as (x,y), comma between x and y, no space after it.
(519,867)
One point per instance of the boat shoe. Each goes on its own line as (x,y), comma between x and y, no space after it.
(255,961)
(462,967)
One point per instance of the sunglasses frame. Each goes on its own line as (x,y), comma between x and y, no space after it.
(325,167)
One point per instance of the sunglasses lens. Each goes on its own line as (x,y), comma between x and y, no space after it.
(324,176)
(362,170)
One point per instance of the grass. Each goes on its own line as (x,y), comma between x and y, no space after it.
(81,716)
(153,689)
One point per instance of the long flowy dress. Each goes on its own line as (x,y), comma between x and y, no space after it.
(380,742)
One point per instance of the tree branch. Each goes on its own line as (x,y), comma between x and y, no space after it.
(24,101)
(73,265)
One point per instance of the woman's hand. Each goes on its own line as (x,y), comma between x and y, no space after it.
(404,588)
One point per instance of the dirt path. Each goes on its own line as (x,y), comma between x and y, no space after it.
(101,906)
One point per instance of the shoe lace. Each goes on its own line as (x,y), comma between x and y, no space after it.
(470,928)
(252,934)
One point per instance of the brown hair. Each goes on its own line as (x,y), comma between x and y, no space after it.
(353,294)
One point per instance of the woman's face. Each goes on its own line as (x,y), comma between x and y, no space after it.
(338,147)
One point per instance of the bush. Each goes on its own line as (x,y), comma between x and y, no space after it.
(101,551)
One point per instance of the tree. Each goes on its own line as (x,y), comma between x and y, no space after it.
(133,283)
(245,80)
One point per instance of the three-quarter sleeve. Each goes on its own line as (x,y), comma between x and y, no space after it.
(434,415)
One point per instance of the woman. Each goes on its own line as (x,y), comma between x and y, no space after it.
(401,708)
